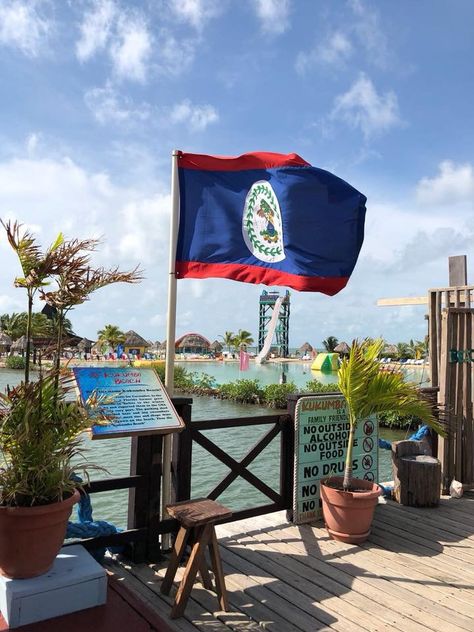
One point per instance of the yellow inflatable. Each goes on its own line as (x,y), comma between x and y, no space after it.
(326,362)
(148,363)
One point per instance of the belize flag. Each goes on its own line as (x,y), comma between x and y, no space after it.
(267,218)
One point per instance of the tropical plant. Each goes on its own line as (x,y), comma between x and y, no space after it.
(276,395)
(16,325)
(15,362)
(330,343)
(37,268)
(370,391)
(243,338)
(315,386)
(40,441)
(228,339)
(404,350)
(111,335)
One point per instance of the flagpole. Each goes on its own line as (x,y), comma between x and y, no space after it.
(170,332)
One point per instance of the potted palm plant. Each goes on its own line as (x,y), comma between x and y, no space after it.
(349,503)
(41,448)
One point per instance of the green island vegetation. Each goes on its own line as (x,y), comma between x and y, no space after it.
(246,391)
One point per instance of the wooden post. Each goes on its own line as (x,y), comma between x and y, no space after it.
(182,453)
(144,502)
(417,477)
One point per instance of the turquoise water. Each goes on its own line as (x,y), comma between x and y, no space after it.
(114,454)
(269,373)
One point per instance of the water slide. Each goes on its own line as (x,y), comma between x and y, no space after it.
(271,330)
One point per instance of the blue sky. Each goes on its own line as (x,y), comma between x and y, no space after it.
(96,94)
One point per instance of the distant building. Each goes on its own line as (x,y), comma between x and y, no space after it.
(134,344)
(193,343)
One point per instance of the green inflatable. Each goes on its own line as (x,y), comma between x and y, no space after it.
(326,362)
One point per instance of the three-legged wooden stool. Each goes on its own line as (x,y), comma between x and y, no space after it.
(197,519)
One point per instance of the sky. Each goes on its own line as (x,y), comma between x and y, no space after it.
(95,95)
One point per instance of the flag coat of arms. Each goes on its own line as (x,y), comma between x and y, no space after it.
(267,218)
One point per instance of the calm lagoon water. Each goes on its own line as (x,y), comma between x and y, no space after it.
(114,454)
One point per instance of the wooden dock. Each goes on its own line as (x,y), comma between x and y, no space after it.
(414,574)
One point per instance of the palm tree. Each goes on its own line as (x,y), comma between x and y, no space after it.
(228,339)
(243,338)
(403,350)
(16,325)
(111,335)
(330,343)
(37,268)
(370,391)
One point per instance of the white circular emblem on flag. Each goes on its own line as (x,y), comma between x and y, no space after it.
(262,227)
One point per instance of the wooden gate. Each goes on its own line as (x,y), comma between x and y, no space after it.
(456,364)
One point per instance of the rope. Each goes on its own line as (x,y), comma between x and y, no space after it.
(87,527)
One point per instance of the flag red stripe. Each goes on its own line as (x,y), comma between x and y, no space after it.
(257,274)
(255,160)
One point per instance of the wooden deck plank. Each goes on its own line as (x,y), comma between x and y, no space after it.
(358,579)
(287,569)
(414,574)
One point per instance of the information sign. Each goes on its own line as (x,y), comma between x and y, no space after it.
(321,434)
(139,402)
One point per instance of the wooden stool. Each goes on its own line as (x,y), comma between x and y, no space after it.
(197,519)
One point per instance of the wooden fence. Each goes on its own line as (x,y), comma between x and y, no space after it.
(456,451)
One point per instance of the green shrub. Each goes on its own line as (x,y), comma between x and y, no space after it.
(183,380)
(15,362)
(243,391)
(404,422)
(275,395)
(315,386)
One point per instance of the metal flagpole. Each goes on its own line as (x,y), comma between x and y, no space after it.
(170,331)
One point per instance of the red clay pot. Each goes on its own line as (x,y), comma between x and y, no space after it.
(30,537)
(348,515)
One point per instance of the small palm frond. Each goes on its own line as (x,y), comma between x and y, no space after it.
(368,390)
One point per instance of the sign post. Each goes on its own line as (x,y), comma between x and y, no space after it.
(321,434)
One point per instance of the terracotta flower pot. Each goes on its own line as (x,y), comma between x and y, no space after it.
(30,537)
(348,515)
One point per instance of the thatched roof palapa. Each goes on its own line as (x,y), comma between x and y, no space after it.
(20,344)
(342,347)
(192,340)
(390,350)
(5,340)
(216,346)
(132,339)
(305,348)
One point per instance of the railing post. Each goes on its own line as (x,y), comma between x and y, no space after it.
(144,501)
(287,443)
(182,453)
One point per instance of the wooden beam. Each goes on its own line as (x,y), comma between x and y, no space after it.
(409,300)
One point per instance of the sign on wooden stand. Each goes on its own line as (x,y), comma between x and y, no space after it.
(321,435)
(139,402)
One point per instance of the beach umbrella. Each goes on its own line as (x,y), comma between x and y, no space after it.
(305,348)
(342,348)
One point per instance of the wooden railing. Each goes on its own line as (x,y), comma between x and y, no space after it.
(145,523)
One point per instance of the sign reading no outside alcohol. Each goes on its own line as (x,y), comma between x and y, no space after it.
(321,434)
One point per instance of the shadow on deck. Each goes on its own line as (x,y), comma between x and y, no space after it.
(415,573)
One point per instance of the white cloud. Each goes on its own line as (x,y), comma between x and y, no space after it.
(273,15)
(108,106)
(370,34)
(131,48)
(95,29)
(60,195)
(123,33)
(196,12)
(196,117)
(175,56)
(32,143)
(454,184)
(22,26)
(364,108)
(334,51)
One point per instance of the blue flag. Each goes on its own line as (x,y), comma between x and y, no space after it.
(267,218)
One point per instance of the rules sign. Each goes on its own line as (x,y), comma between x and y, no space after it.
(321,434)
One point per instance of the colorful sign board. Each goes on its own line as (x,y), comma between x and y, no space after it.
(321,434)
(139,402)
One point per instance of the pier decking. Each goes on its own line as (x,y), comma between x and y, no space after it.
(415,573)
